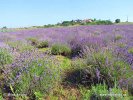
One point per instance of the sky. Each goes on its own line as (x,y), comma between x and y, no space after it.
(24,13)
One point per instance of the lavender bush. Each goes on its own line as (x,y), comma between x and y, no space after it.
(61,49)
(107,66)
(20,46)
(28,75)
(5,57)
(42,44)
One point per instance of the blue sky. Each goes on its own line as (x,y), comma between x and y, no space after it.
(20,13)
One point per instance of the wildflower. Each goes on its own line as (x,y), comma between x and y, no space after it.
(39,65)
(98,74)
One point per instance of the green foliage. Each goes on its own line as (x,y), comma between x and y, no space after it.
(42,44)
(95,92)
(98,90)
(81,22)
(78,22)
(18,96)
(39,44)
(5,57)
(61,93)
(66,23)
(45,50)
(39,95)
(121,70)
(97,67)
(49,25)
(101,22)
(33,41)
(20,46)
(85,70)
(39,76)
(64,62)
(26,47)
(118,37)
(4,29)
(76,50)
(100,61)
(117,21)
(85,93)
(101,92)
(105,67)
(61,49)
(70,23)
(1,98)
(130,50)
(79,63)
(121,45)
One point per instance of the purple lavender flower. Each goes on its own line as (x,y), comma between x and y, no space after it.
(98,73)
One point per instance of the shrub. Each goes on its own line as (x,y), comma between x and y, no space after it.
(40,75)
(98,67)
(98,90)
(20,46)
(121,70)
(130,88)
(26,47)
(118,37)
(130,50)
(121,45)
(61,49)
(42,44)
(38,95)
(101,22)
(66,23)
(95,92)
(64,62)
(104,67)
(5,57)
(79,63)
(76,50)
(85,74)
(76,46)
(75,76)
(33,41)
(101,92)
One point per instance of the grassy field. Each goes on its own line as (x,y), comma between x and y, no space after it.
(67,63)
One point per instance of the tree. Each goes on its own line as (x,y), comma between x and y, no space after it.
(117,21)
(4,27)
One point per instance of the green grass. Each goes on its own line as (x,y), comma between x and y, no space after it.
(124,23)
(20,46)
(64,62)
(100,92)
(45,50)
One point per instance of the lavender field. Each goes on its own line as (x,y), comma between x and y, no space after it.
(67,63)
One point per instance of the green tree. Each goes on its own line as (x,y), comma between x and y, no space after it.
(117,21)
